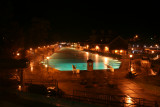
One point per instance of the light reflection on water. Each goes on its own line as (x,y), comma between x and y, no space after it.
(31,65)
(66,57)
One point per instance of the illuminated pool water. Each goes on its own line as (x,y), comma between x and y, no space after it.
(66,57)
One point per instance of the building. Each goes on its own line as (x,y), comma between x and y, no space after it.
(115,46)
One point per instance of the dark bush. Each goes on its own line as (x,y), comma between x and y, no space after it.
(37,89)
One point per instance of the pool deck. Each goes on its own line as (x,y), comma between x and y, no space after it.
(97,81)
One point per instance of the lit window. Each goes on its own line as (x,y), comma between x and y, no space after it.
(106,48)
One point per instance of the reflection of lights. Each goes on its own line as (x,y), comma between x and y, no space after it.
(31,65)
(132,68)
(87,55)
(96,58)
(19,88)
(52,88)
(105,60)
(129,100)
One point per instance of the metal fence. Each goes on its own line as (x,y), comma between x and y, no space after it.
(113,100)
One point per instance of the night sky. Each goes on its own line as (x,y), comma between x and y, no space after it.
(74,21)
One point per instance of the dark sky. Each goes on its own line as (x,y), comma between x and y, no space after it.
(75,19)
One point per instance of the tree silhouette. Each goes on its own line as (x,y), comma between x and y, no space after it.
(38,31)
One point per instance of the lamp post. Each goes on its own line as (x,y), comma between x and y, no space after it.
(157,49)
(130,61)
(47,62)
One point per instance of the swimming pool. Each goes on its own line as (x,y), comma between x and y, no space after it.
(66,57)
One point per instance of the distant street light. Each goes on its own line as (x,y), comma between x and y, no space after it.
(157,49)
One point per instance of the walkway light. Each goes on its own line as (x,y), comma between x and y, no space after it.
(131,56)
(97,47)
(18,54)
(87,46)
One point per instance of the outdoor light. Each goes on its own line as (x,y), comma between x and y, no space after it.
(87,46)
(30,49)
(130,56)
(130,60)
(18,54)
(106,48)
(19,87)
(47,57)
(121,51)
(116,51)
(97,47)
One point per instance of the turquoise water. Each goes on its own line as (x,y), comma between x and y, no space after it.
(66,57)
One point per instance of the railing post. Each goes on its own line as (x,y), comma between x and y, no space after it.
(156,104)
